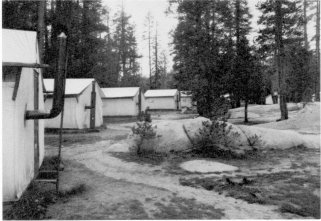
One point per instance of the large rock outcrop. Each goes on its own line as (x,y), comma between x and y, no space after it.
(179,135)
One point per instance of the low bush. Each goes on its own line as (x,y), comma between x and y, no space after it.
(254,141)
(215,139)
(144,116)
(145,131)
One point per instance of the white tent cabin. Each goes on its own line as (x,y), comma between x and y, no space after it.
(22,91)
(121,101)
(77,105)
(162,99)
(268,99)
(186,99)
(272,99)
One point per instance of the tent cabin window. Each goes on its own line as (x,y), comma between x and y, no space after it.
(10,73)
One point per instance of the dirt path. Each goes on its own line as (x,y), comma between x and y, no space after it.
(124,189)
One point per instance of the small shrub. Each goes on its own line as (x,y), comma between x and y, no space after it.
(307,96)
(216,139)
(145,131)
(255,141)
(144,116)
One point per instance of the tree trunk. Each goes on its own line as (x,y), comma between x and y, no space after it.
(122,43)
(237,33)
(85,34)
(317,75)
(46,38)
(305,21)
(41,29)
(156,59)
(283,107)
(165,72)
(149,56)
(237,102)
(237,22)
(149,60)
(280,58)
(245,110)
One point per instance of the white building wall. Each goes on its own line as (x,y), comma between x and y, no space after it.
(120,106)
(269,100)
(160,103)
(70,114)
(18,136)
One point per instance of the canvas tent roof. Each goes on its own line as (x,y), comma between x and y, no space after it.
(19,46)
(161,93)
(120,92)
(74,86)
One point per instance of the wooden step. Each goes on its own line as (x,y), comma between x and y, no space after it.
(48,171)
(47,175)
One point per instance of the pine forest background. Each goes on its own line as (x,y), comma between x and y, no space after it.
(212,52)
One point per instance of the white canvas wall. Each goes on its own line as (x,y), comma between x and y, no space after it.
(120,106)
(75,114)
(70,114)
(160,103)
(268,99)
(41,125)
(18,136)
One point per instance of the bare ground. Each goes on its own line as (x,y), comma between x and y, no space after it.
(121,185)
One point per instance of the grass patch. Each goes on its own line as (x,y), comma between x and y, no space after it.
(49,163)
(38,196)
(303,204)
(131,210)
(120,137)
(251,122)
(291,191)
(142,158)
(34,202)
(72,139)
(73,131)
(181,208)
